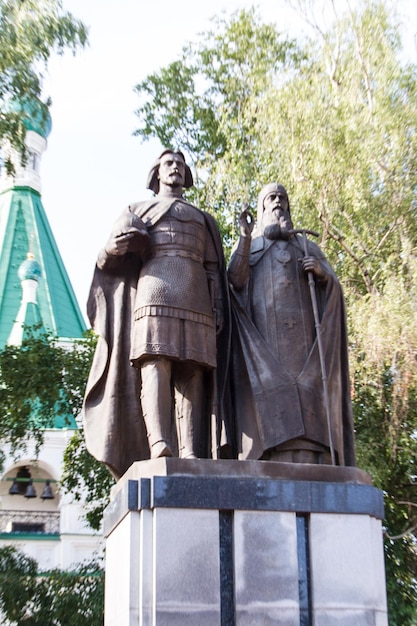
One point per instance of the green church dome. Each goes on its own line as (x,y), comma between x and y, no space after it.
(36,115)
(30,269)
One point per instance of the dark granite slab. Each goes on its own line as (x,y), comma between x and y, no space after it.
(243,485)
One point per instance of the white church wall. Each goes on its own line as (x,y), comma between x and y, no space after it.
(65,538)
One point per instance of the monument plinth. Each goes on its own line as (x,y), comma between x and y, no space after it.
(244,542)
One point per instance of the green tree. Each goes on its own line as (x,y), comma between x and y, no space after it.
(333,118)
(34,598)
(30,31)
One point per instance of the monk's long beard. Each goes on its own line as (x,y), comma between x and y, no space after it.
(278,231)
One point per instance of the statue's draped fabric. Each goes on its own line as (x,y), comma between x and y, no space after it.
(278,378)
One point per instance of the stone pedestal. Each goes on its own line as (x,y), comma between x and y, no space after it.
(201,542)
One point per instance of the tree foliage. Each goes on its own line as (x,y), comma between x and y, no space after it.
(34,598)
(30,31)
(86,479)
(333,118)
(40,381)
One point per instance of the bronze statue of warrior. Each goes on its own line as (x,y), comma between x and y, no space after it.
(157,304)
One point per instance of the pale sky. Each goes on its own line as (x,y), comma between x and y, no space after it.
(93,166)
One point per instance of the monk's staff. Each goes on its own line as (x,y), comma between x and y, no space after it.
(313,295)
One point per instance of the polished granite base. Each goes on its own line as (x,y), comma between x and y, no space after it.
(201,542)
